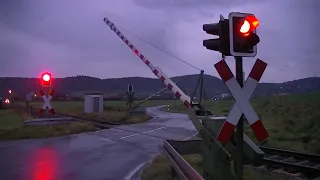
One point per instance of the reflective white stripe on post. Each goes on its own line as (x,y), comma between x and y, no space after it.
(174,88)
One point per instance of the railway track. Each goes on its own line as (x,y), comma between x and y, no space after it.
(277,163)
(101,124)
(291,163)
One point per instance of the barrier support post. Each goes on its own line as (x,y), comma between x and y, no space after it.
(215,163)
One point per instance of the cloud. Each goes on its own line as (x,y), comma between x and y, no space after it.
(70,37)
(285,45)
(192,4)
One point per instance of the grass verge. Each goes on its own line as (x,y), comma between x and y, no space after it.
(11,121)
(110,113)
(160,169)
(118,117)
(12,127)
(46,131)
(292,122)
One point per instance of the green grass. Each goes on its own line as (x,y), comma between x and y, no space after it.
(160,169)
(12,127)
(11,121)
(46,131)
(78,106)
(110,113)
(293,122)
(117,116)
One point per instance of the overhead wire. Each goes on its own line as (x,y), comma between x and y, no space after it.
(156,47)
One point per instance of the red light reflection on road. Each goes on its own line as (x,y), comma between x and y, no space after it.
(46,164)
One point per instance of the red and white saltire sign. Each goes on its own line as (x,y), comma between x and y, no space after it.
(242,104)
(46,103)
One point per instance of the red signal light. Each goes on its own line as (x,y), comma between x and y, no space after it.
(46,79)
(249,24)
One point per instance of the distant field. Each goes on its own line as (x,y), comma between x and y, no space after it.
(293,122)
(12,127)
(78,106)
(11,121)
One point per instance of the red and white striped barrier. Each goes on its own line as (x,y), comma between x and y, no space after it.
(241,97)
(165,79)
(46,102)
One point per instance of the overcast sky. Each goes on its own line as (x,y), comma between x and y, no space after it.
(69,37)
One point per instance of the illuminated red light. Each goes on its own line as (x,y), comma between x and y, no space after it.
(46,77)
(249,24)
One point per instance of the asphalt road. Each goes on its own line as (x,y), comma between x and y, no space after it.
(111,154)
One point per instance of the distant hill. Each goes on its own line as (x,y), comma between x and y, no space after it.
(146,86)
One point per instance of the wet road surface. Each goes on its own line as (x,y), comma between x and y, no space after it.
(110,154)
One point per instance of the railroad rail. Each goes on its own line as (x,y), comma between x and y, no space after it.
(289,163)
(296,163)
(101,124)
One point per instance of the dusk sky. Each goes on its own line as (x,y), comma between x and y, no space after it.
(69,37)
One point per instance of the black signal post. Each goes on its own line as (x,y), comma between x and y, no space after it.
(130,95)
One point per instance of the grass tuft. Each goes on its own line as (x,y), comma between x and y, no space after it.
(292,122)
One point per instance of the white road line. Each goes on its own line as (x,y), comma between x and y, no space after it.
(135,170)
(142,133)
(190,137)
(128,136)
(153,130)
(106,130)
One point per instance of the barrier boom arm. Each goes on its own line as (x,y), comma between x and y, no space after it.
(186,100)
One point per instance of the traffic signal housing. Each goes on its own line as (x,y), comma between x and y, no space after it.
(220,29)
(243,35)
(46,79)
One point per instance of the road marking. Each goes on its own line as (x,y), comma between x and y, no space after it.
(134,171)
(135,134)
(128,136)
(153,130)
(190,136)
